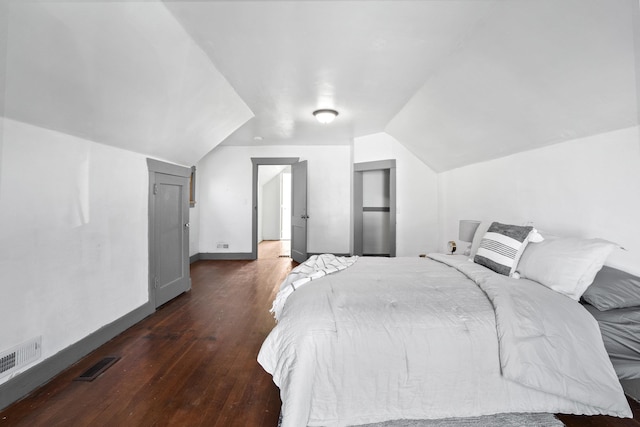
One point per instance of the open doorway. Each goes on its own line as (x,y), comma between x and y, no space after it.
(374,208)
(274,211)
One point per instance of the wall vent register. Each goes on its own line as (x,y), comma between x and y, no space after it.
(96,370)
(19,356)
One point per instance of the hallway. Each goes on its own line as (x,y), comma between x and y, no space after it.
(270,249)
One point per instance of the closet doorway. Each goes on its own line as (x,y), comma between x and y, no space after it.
(374,201)
(274,211)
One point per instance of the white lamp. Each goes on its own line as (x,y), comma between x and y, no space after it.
(466,231)
(325,116)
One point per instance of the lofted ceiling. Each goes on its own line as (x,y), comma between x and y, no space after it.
(456,81)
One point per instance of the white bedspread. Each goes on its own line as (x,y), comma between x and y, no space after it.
(411,338)
(315,267)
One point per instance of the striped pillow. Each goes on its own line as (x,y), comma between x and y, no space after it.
(502,246)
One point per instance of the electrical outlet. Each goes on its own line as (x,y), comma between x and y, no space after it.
(223,245)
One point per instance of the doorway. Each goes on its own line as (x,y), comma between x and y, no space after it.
(274,211)
(374,208)
(298,205)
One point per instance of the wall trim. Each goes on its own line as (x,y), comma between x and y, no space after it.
(226,256)
(378,164)
(28,381)
(322,253)
(154,165)
(243,256)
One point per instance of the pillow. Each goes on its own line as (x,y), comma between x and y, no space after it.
(477,238)
(502,246)
(482,229)
(566,265)
(612,288)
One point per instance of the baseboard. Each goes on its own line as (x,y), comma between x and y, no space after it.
(26,382)
(225,255)
(322,253)
(631,388)
(237,256)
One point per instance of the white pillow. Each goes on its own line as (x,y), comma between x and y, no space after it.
(566,265)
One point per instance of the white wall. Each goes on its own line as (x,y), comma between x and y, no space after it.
(260,195)
(194,221)
(73,236)
(225,180)
(589,187)
(4,31)
(285,180)
(416,193)
(270,210)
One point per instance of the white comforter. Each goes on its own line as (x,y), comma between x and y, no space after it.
(411,338)
(315,267)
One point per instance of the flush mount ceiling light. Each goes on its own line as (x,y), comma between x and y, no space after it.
(325,116)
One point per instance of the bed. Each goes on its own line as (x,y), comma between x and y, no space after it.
(376,339)
(613,299)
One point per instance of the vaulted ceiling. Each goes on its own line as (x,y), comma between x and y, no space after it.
(456,82)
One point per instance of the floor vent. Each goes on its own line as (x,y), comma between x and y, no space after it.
(21,355)
(93,372)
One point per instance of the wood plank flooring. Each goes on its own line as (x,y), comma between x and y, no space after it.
(192,363)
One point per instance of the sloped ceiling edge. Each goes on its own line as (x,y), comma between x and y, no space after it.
(122,74)
(537,73)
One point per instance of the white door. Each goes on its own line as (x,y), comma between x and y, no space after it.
(299,215)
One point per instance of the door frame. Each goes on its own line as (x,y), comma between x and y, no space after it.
(299,212)
(358,169)
(156,166)
(257,161)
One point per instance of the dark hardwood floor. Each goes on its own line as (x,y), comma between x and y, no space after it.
(192,363)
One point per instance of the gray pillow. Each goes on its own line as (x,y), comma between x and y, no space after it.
(613,288)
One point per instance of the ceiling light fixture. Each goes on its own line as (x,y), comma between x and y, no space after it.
(325,116)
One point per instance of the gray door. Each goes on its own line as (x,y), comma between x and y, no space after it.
(299,211)
(170,237)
